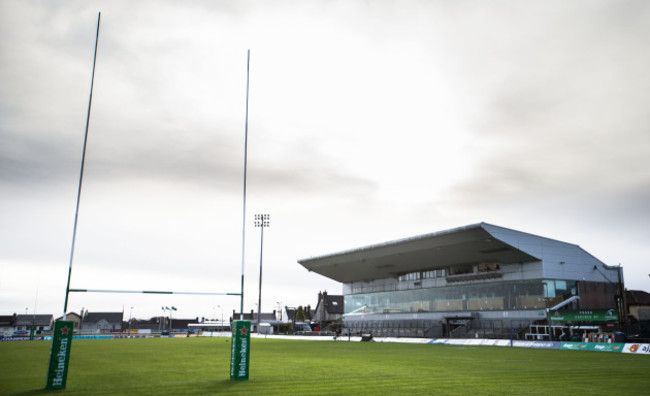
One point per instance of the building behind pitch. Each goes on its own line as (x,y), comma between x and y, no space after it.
(477,280)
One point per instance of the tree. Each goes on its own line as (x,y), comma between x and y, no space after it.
(300,314)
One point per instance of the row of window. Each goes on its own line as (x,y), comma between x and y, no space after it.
(455,270)
(531,294)
(418,275)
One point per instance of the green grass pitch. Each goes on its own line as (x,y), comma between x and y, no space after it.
(200,366)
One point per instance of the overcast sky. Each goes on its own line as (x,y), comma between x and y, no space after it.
(369,121)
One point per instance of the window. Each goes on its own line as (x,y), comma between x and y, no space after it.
(461,269)
(412,276)
(488,267)
(512,295)
(548,288)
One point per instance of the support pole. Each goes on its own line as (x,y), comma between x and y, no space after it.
(243,231)
(261,220)
(259,301)
(81,173)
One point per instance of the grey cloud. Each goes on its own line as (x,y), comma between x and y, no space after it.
(170,157)
(26,159)
(573,124)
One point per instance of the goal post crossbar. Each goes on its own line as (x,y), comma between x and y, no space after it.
(150,292)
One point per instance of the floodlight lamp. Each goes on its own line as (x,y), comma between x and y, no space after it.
(262,220)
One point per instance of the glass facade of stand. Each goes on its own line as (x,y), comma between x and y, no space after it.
(492,296)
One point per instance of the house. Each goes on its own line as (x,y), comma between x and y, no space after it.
(157,323)
(292,312)
(73,317)
(102,321)
(38,322)
(7,323)
(328,309)
(183,324)
(636,299)
(269,318)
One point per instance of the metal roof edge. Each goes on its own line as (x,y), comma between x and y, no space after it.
(573,245)
(395,242)
(526,233)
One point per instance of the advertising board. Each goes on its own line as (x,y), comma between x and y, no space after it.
(57,373)
(240,350)
(584,315)
(641,349)
(592,346)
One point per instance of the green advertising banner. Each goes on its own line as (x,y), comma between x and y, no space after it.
(592,346)
(240,350)
(584,315)
(59,355)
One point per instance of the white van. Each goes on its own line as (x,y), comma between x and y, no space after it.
(266,328)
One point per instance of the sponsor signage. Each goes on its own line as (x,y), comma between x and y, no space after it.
(20,338)
(57,372)
(641,349)
(584,315)
(592,346)
(536,344)
(240,350)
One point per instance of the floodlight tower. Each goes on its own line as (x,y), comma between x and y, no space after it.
(261,220)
